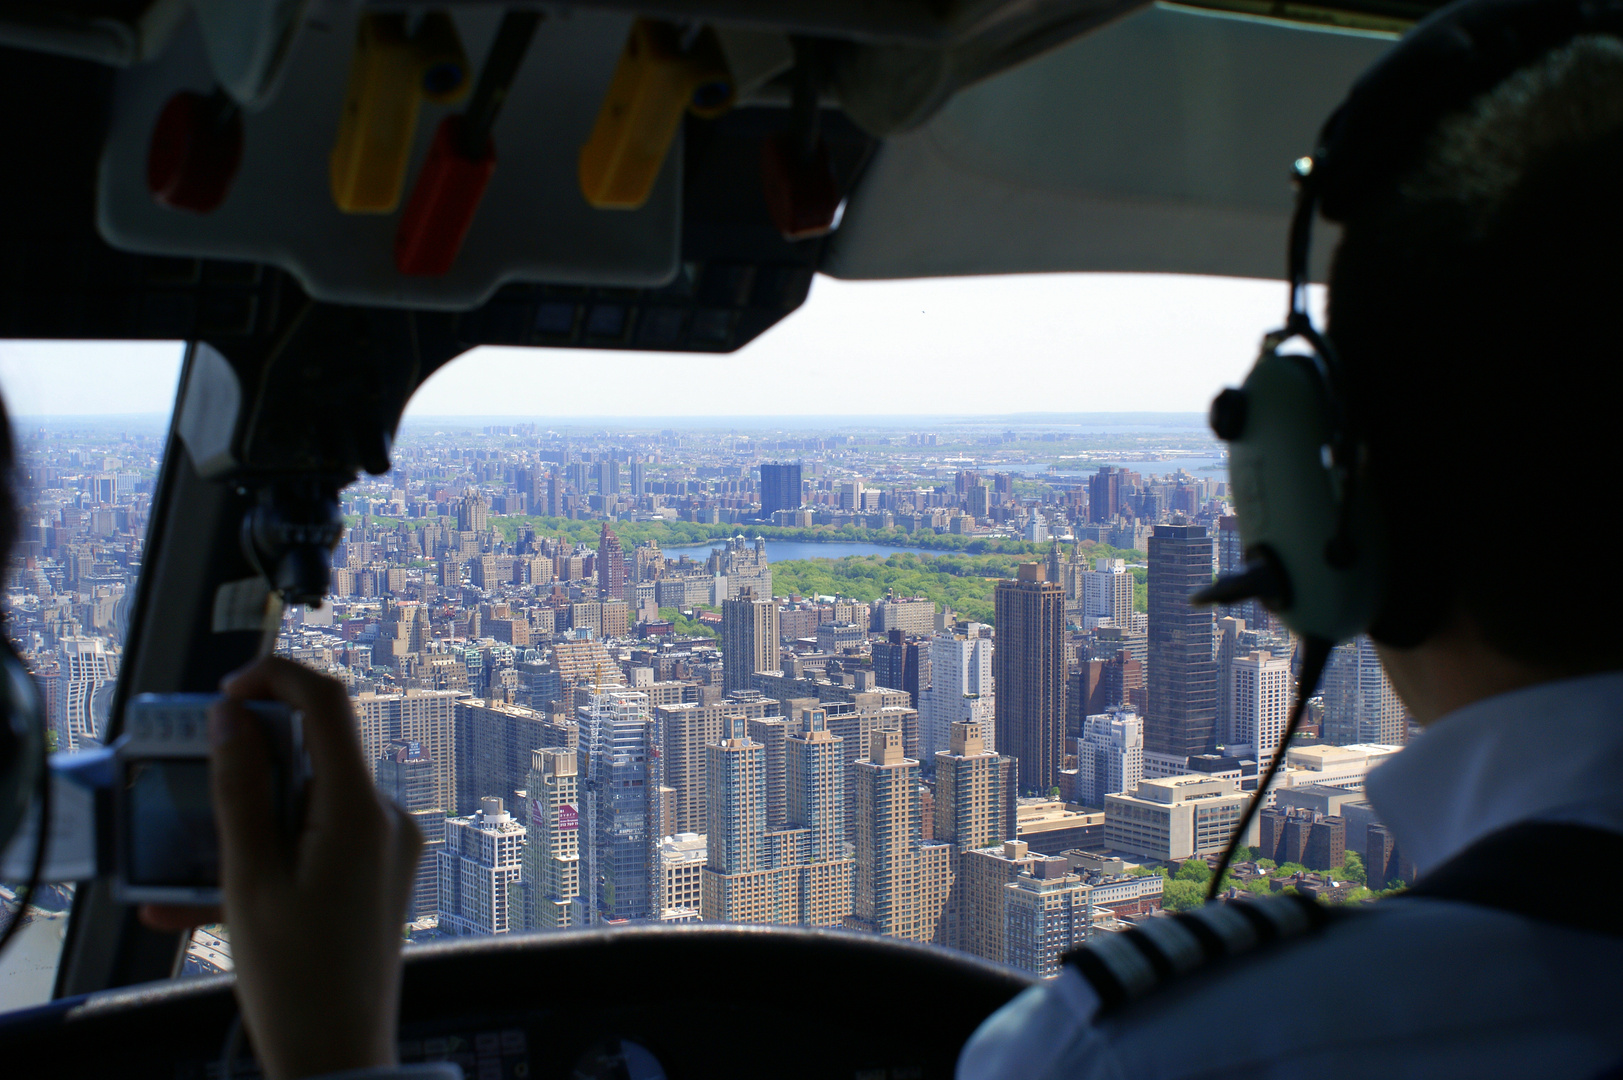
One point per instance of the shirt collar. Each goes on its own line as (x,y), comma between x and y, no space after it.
(1551,752)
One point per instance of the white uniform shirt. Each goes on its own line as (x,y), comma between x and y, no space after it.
(1410,987)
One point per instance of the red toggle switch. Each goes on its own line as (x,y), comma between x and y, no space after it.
(443,202)
(802,194)
(195,151)
(460,160)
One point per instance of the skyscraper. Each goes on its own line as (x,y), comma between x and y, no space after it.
(902,881)
(771,732)
(1109,756)
(684,730)
(815,774)
(749,638)
(780,487)
(473,513)
(978,500)
(1104,494)
(979,898)
(608,478)
(1047,912)
(481,866)
(786,875)
(616,722)
(494,743)
(1230,560)
(406,774)
(1360,705)
(639,479)
(552,846)
(1229,630)
(902,663)
(1029,665)
(1182,715)
(913,615)
(960,687)
(1107,593)
(1122,681)
(1261,685)
(681,868)
(611,564)
(974,791)
(425,717)
(736,792)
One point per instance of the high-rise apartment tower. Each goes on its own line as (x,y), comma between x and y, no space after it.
(552,846)
(1029,667)
(1182,716)
(780,487)
(481,866)
(749,638)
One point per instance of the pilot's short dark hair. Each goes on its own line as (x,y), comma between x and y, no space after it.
(1476,308)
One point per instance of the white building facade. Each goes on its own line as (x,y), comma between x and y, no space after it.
(960,688)
(1260,701)
(681,870)
(1107,594)
(1177,817)
(1109,755)
(481,867)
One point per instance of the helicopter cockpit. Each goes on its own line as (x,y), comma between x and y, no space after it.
(330,200)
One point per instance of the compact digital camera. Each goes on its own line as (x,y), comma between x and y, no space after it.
(166,848)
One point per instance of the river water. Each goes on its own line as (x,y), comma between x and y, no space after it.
(1204,467)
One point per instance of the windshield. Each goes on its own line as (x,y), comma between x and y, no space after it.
(660,651)
(681,666)
(90,423)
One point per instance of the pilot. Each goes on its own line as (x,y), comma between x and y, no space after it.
(1477,174)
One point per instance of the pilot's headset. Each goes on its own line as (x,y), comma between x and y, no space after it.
(1309,516)
(1310,519)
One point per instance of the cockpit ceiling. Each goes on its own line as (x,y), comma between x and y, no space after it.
(1161,143)
(1105,135)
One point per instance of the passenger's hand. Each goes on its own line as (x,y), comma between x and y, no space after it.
(315,924)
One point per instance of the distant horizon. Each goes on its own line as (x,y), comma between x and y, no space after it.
(925,349)
(1119,421)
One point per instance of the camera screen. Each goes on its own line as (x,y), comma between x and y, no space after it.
(170,822)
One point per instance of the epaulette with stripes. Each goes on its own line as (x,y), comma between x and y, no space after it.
(1123,967)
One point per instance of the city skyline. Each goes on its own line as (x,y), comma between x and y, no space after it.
(597,723)
(1125,342)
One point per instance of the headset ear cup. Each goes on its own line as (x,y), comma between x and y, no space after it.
(1290,503)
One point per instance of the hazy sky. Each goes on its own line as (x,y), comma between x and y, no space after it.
(952,346)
